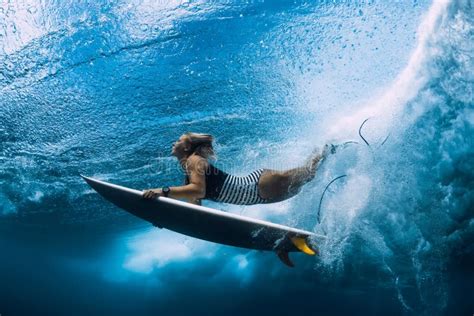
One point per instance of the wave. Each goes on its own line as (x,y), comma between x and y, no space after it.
(76,99)
(409,202)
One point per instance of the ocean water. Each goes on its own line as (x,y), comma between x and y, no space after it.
(103,88)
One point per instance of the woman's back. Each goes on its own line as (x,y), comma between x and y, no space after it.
(226,188)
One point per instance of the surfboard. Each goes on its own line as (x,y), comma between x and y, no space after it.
(209,224)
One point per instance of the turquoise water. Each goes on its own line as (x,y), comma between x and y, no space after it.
(104,88)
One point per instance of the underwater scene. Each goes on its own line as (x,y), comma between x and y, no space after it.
(105,88)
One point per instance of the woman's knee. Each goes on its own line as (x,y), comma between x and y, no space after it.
(282,180)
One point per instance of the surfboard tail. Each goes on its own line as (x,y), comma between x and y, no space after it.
(301,243)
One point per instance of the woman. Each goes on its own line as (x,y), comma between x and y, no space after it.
(204,181)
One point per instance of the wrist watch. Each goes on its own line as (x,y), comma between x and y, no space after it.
(165,191)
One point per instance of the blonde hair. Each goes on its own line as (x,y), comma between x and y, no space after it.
(201,144)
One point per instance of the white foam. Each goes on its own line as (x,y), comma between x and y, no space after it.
(405,87)
(157,248)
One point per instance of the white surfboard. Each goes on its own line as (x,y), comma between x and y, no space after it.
(209,224)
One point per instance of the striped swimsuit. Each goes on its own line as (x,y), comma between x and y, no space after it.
(226,188)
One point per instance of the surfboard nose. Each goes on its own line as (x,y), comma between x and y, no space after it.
(97,185)
(90,181)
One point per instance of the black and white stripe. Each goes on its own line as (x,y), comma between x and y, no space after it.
(241,190)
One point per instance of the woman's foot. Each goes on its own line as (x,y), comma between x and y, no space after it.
(318,156)
(314,160)
(328,149)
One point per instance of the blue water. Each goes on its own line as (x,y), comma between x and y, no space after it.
(104,87)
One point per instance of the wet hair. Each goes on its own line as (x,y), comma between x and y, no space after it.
(201,144)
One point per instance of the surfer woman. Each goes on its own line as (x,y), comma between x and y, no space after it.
(204,181)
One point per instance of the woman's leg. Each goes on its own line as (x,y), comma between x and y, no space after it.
(280,185)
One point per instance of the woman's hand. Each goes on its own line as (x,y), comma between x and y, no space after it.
(152,193)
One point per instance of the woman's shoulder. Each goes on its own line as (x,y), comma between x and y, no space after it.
(196,162)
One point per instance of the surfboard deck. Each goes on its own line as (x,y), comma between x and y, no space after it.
(208,223)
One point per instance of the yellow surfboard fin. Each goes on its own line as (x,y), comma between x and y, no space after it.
(302,245)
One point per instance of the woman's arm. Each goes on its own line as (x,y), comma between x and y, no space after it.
(195,190)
